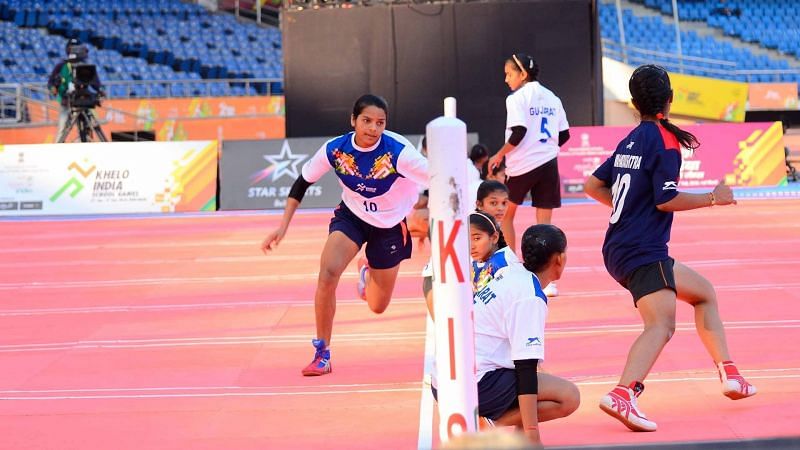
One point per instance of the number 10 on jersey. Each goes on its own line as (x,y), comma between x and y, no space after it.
(618,193)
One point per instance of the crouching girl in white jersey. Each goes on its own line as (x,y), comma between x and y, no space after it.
(510,313)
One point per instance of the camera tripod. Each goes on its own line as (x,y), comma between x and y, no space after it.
(87,126)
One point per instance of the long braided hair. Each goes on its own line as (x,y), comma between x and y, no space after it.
(651,91)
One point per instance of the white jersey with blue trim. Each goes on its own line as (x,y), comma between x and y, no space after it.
(379,183)
(536,108)
(483,272)
(510,315)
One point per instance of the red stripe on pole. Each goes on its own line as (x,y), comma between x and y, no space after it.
(452,338)
(448,251)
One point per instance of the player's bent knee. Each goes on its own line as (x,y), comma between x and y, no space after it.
(570,399)
(573,400)
(378,307)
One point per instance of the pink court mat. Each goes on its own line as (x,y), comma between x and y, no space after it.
(176,332)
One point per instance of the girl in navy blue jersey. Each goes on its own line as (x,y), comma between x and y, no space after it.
(640,184)
(379,172)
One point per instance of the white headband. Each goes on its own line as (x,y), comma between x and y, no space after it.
(491,222)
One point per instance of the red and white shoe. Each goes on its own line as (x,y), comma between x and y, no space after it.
(734,386)
(620,404)
(363,268)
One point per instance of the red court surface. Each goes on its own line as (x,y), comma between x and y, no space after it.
(175,332)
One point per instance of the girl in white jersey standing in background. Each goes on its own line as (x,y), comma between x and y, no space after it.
(379,171)
(536,126)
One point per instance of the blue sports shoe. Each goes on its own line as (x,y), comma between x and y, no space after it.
(321,364)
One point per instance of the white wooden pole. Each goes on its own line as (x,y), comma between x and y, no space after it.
(452,288)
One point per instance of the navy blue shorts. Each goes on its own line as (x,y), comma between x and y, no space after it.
(497,393)
(386,247)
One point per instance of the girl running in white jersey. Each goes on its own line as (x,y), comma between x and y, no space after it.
(379,172)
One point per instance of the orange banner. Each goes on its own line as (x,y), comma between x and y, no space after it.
(773,96)
(174,119)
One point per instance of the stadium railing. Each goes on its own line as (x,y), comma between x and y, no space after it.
(673,61)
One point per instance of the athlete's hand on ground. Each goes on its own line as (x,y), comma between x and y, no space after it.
(534,439)
(723,195)
(272,240)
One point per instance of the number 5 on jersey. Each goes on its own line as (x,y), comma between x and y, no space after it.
(618,193)
(543,131)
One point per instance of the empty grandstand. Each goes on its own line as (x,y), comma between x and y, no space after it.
(143,48)
(735,40)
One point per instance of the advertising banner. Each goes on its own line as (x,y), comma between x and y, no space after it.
(124,177)
(259,174)
(773,96)
(708,98)
(171,119)
(748,154)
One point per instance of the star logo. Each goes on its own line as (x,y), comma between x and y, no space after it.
(281,164)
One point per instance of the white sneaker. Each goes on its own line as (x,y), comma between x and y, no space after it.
(620,404)
(551,290)
(361,287)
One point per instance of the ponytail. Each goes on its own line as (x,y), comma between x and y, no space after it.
(684,137)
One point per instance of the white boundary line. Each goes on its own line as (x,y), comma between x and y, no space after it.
(305,303)
(188,306)
(313,276)
(426,402)
(156,393)
(197,341)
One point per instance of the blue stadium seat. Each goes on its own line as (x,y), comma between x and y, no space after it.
(159,32)
(771,24)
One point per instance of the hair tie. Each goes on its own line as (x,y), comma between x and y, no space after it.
(660,116)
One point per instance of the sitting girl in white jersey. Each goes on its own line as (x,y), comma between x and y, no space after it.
(510,313)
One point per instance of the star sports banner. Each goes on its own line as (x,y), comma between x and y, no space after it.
(122,177)
(259,174)
(747,154)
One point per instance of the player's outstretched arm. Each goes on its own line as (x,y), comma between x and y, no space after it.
(276,236)
(684,201)
(597,189)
